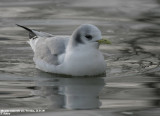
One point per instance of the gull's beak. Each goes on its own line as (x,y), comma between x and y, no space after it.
(99,41)
(103,41)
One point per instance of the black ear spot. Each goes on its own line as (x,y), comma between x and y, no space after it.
(89,37)
(78,38)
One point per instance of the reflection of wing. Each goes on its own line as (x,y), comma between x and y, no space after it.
(47,46)
(50,48)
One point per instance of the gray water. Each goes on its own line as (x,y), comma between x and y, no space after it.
(131,85)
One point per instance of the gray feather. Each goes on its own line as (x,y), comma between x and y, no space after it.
(49,49)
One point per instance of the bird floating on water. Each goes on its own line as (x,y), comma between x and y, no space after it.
(76,55)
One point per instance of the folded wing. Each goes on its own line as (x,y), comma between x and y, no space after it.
(47,47)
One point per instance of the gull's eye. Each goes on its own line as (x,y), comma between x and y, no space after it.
(89,37)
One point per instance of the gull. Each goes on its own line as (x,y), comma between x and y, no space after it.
(75,55)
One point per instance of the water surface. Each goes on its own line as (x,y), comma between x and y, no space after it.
(131,84)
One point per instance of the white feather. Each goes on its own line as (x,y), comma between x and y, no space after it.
(32,43)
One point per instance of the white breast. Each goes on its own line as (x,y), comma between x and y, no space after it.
(84,61)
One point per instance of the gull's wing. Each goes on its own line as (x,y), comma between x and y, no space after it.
(46,46)
(50,49)
(35,34)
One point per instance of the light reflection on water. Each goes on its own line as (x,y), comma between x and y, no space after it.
(59,92)
(131,84)
(52,92)
(72,93)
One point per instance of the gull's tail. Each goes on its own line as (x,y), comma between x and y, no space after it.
(34,36)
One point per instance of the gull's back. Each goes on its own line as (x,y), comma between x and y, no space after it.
(49,49)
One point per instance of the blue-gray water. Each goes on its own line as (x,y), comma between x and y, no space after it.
(131,85)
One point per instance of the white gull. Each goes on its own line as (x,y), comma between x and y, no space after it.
(76,55)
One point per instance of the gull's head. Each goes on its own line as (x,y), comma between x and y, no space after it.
(86,34)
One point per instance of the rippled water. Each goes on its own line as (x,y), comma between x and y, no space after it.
(131,85)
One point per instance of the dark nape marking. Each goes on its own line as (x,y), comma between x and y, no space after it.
(78,39)
(32,35)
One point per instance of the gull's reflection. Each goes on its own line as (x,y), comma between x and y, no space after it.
(70,93)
